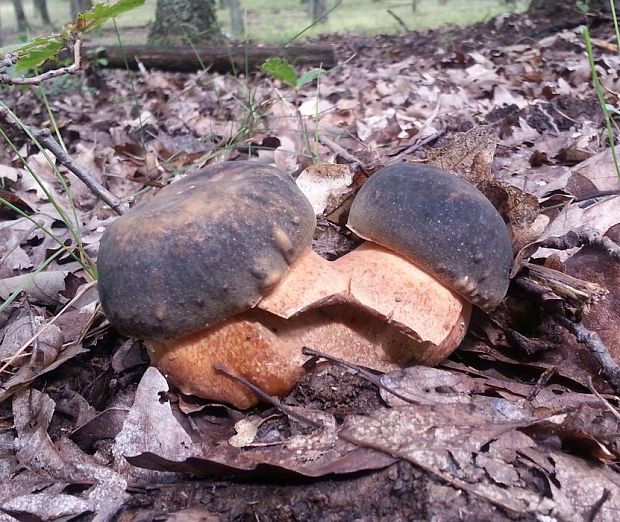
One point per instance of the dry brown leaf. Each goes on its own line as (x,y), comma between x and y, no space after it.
(44,287)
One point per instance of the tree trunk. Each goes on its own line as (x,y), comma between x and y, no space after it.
(318,11)
(179,22)
(41,6)
(77,6)
(22,23)
(236,18)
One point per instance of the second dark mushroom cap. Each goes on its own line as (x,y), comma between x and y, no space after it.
(441,223)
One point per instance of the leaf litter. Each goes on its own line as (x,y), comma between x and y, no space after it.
(519,423)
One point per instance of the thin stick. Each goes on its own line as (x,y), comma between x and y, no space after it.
(360,371)
(603,400)
(593,342)
(583,236)
(222,368)
(420,143)
(399,20)
(337,149)
(11,58)
(596,507)
(45,139)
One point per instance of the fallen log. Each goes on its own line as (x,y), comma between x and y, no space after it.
(238,58)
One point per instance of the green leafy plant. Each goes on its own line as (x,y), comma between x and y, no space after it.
(30,56)
(280,69)
(43,49)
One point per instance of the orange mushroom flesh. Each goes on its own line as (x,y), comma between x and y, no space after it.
(380,319)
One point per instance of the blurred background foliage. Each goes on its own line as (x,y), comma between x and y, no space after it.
(254,20)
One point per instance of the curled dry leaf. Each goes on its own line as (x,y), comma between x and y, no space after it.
(150,427)
(470,155)
(246,431)
(326,186)
(46,506)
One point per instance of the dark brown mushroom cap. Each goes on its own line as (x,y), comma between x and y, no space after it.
(440,222)
(203,249)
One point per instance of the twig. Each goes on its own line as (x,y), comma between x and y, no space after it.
(540,294)
(541,383)
(593,342)
(420,143)
(576,292)
(572,201)
(583,236)
(221,368)
(360,371)
(45,139)
(337,149)
(603,400)
(596,507)
(11,58)
(399,20)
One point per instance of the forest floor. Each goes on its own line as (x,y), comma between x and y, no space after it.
(520,423)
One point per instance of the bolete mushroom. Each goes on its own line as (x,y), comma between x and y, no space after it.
(201,251)
(442,224)
(217,269)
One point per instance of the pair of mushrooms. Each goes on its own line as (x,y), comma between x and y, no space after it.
(218,269)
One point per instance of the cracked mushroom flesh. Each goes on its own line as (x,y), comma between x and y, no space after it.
(217,268)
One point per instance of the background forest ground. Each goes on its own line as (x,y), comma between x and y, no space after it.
(277,22)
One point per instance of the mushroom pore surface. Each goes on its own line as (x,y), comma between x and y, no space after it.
(203,249)
(441,223)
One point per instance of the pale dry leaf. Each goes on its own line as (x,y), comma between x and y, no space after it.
(47,506)
(314,454)
(108,493)
(42,167)
(600,216)
(326,186)
(23,328)
(26,374)
(469,154)
(9,173)
(12,255)
(246,430)
(428,437)
(150,427)
(285,124)
(43,287)
(32,413)
(315,108)
(577,485)
(600,170)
